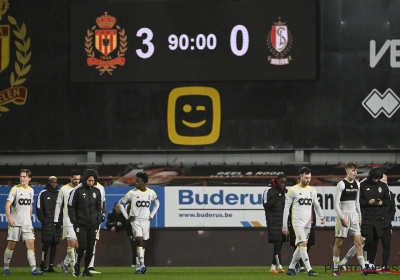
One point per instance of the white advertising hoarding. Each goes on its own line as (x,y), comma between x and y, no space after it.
(196,206)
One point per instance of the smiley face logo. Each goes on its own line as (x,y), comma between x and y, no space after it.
(194,116)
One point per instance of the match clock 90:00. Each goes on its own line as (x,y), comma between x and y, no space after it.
(193,41)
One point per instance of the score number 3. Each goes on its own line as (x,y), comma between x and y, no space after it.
(147,42)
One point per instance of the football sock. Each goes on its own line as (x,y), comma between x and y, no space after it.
(305,258)
(137,263)
(277,260)
(361,261)
(70,257)
(273,267)
(336,261)
(295,259)
(140,254)
(31,259)
(7,257)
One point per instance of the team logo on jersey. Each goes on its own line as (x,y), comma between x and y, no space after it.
(305,201)
(94,195)
(77,229)
(110,44)
(351,186)
(279,42)
(143,203)
(12,31)
(24,201)
(379,189)
(84,195)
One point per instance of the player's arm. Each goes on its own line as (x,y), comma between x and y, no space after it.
(39,208)
(318,208)
(288,203)
(269,199)
(99,207)
(392,205)
(338,194)
(121,203)
(11,222)
(155,208)
(72,201)
(386,196)
(59,202)
(358,208)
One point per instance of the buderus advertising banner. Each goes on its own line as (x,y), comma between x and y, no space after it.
(216,206)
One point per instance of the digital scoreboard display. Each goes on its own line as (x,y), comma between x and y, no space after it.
(193,41)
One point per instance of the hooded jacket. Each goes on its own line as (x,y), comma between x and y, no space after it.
(84,204)
(45,206)
(373,215)
(274,204)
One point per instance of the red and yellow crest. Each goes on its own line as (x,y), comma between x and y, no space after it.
(107,40)
(15,93)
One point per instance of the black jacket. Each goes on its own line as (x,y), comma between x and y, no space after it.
(373,215)
(84,204)
(45,205)
(274,204)
(390,210)
(113,218)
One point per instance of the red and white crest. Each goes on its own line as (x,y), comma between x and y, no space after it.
(279,37)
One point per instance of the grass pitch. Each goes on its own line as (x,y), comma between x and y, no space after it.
(190,273)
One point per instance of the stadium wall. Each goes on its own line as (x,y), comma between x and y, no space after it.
(205,247)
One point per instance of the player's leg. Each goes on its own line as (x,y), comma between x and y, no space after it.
(30,247)
(14,234)
(336,255)
(298,232)
(275,257)
(70,259)
(91,265)
(90,239)
(53,251)
(28,236)
(45,249)
(386,240)
(82,240)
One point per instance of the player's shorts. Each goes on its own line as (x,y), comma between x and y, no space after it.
(98,233)
(302,234)
(353,227)
(69,233)
(141,228)
(15,233)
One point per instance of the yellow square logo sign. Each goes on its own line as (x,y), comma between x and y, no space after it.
(194,116)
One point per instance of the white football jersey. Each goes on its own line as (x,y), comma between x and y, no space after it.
(302,199)
(62,199)
(22,201)
(140,204)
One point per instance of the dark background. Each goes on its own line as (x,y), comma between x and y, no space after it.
(325,113)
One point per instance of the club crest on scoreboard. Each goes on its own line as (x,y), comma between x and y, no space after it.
(279,42)
(110,44)
(12,33)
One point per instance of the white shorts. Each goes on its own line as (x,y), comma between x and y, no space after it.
(69,233)
(15,233)
(353,227)
(302,234)
(141,228)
